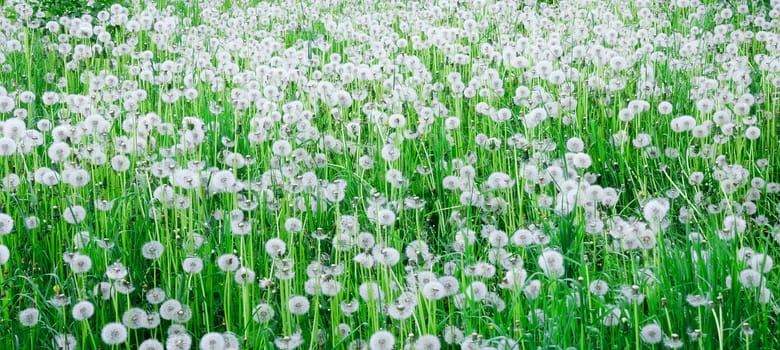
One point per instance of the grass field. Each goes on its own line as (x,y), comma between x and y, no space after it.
(390,175)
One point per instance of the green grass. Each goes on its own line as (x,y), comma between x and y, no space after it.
(257,50)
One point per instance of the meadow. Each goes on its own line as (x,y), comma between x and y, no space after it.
(390,174)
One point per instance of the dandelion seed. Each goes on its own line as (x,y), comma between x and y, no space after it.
(176,329)
(365,240)
(632,294)
(752,133)
(181,341)
(598,287)
(575,144)
(185,178)
(113,333)
(275,247)
(124,287)
(381,340)
(349,307)
(612,318)
(192,265)
(64,341)
(13,128)
(551,263)
(477,291)
(5,254)
(581,161)
(74,214)
(169,308)
(152,250)
(705,105)
(427,342)
(665,108)
(212,341)
(7,146)
(385,217)
(386,256)
(330,287)
(534,118)
(293,225)
(60,300)
(151,344)
(80,263)
(434,290)
(281,148)
(116,271)
(29,317)
(244,276)
(655,210)
(750,278)
(263,313)
(682,124)
(390,152)
(134,318)
(231,341)
(103,290)
(298,305)
(651,333)
(673,342)
(696,300)
(183,315)
(59,151)
(155,296)
(240,228)
(83,310)
(761,263)
(741,108)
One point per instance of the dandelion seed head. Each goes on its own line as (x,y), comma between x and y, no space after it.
(29,317)
(178,341)
(651,333)
(381,340)
(192,265)
(212,341)
(151,344)
(74,214)
(82,310)
(551,263)
(113,333)
(275,247)
(298,305)
(152,250)
(598,287)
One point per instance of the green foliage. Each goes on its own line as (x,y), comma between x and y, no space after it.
(72,8)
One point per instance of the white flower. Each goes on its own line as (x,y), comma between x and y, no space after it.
(152,250)
(192,265)
(655,210)
(551,263)
(298,305)
(598,287)
(212,341)
(263,313)
(6,224)
(29,317)
(665,108)
(427,342)
(5,254)
(381,340)
(113,333)
(652,333)
(281,148)
(275,247)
